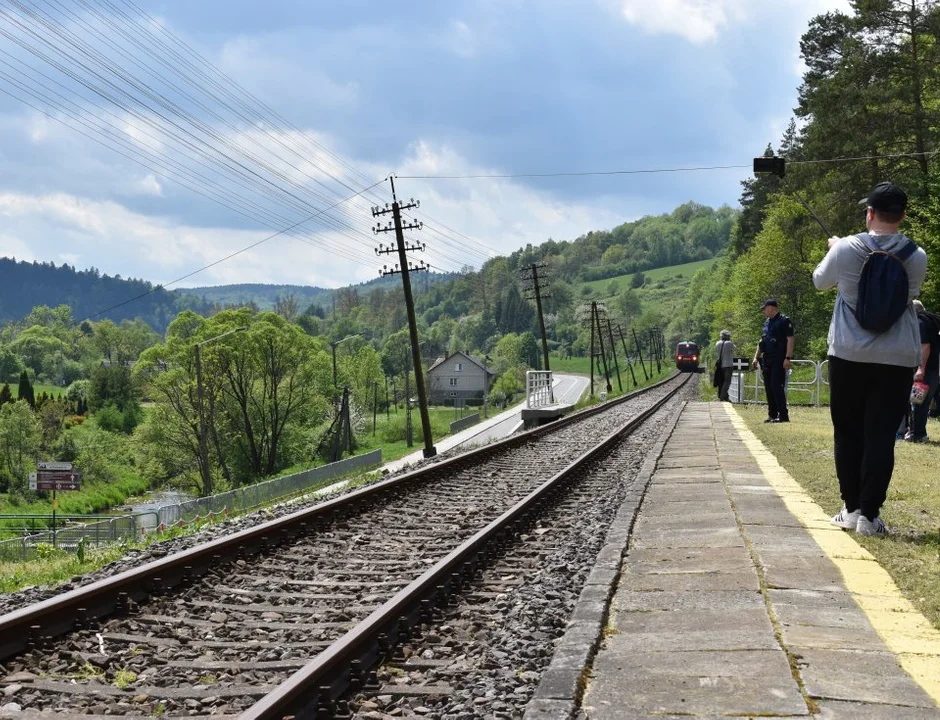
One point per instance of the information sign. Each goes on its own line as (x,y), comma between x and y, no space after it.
(54,466)
(740,363)
(52,480)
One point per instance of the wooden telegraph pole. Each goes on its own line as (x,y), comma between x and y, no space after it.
(404,266)
(596,318)
(533,291)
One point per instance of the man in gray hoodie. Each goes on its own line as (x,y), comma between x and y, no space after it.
(870,373)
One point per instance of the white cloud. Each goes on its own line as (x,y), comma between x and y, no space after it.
(14,247)
(501,215)
(119,241)
(698,21)
(258,65)
(701,21)
(147,185)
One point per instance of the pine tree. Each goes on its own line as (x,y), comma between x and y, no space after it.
(25,391)
(5,395)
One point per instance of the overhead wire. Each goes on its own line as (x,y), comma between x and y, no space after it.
(116,101)
(227,257)
(269,112)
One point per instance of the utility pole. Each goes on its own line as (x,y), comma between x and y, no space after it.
(403,267)
(600,340)
(592,349)
(536,294)
(654,345)
(626,354)
(613,351)
(639,354)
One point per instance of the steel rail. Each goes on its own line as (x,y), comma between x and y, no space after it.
(316,686)
(31,626)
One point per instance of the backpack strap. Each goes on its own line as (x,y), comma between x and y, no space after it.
(903,254)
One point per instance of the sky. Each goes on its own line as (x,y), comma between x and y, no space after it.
(152,140)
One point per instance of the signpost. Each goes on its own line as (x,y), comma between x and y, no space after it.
(55,476)
(740,365)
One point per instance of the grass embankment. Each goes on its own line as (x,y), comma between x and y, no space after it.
(911,555)
(665,288)
(582,366)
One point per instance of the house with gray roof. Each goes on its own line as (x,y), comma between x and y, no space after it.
(454,379)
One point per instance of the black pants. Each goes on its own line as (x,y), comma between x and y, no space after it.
(774,378)
(867,402)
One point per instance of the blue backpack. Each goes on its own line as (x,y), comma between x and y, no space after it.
(882,286)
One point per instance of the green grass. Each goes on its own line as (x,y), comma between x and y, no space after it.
(582,366)
(39,389)
(912,553)
(440,417)
(55,570)
(665,289)
(686,270)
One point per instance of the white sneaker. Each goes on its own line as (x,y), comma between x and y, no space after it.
(845,519)
(871,528)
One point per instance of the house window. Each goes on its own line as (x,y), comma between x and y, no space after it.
(459,367)
(453,382)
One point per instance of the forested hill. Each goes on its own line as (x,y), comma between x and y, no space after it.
(690,232)
(88,293)
(270,297)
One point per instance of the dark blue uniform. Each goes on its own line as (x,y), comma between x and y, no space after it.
(773,347)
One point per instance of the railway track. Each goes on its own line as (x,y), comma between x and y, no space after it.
(286,618)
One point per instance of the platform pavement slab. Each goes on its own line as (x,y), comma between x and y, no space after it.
(737,611)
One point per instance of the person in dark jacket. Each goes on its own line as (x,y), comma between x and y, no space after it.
(928,372)
(774,355)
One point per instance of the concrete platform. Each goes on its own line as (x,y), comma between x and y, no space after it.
(734,597)
(536,417)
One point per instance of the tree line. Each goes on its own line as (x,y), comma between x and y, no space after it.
(871,90)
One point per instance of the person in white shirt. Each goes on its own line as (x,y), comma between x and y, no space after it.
(724,358)
(870,373)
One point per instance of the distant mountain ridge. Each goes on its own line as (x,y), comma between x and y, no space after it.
(94,296)
(266,295)
(90,295)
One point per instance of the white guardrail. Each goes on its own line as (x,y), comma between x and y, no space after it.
(538,389)
(804,384)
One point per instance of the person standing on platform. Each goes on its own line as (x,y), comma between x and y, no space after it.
(774,355)
(928,371)
(724,358)
(870,370)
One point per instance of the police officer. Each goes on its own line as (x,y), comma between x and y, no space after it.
(774,355)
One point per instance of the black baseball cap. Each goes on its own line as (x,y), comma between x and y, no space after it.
(886,196)
(769,301)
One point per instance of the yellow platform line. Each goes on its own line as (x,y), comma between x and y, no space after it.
(905,631)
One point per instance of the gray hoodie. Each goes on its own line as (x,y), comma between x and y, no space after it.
(842,266)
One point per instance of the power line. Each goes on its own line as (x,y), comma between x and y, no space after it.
(650,171)
(231,255)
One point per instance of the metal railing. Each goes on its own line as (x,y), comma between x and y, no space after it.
(538,388)
(132,526)
(806,380)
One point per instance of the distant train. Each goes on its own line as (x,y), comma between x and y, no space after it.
(687,356)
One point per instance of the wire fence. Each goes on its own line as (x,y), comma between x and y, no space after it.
(131,527)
